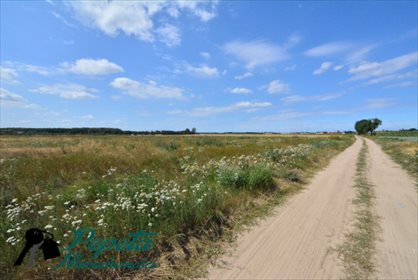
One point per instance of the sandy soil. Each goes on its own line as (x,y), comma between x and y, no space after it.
(295,242)
(396,204)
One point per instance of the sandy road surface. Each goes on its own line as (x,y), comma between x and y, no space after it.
(396,204)
(294,242)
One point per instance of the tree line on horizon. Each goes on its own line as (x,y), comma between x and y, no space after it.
(89,131)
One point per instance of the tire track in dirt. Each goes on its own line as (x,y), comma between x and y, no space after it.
(396,205)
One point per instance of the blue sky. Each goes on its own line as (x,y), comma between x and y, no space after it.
(279,66)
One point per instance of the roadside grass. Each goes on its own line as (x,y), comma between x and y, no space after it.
(196,192)
(358,250)
(402,147)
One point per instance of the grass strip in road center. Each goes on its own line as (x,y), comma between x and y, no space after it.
(359,248)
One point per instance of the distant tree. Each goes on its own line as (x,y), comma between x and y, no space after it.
(362,126)
(367,126)
(194,130)
(374,123)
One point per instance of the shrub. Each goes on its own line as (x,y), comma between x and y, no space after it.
(260,177)
(292,175)
(257,176)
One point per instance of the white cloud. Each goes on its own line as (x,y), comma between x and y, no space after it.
(402,84)
(240,90)
(290,68)
(338,67)
(146,90)
(169,35)
(359,54)
(328,49)
(88,66)
(205,111)
(87,117)
(244,76)
(202,71)
(197,9)
(284,115)
(22,67)
(205,55)
(299,98)
(368,70)
(68,91)
(9,99)
(256,53)
(61,18)
(292,41)
(8,75)
(323,68)
(277,86)
(84,66)
(412,76)
(379,103)
(136,18)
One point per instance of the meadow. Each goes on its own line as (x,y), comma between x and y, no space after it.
(194,191)
(402,146)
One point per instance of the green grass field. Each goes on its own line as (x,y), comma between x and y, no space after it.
(194,191)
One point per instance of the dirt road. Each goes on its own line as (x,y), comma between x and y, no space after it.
(295,242)
(396,204)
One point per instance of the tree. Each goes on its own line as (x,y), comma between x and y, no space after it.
(367,126)
(374,123)
(362,126)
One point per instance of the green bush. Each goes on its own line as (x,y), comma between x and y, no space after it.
(260,177)
(257,176)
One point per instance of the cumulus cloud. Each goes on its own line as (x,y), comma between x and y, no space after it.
(210,110)
(323,68)
(146,90)
(277,86)
(169,35)
(202,71)
(256,53)
(136,18)
(68,91)
(8,75)
(84,66)
(367,70)
(240,90)
(338,67)
(88,66)
(9,99)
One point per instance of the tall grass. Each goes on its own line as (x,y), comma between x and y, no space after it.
(403,149)
(188,189)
